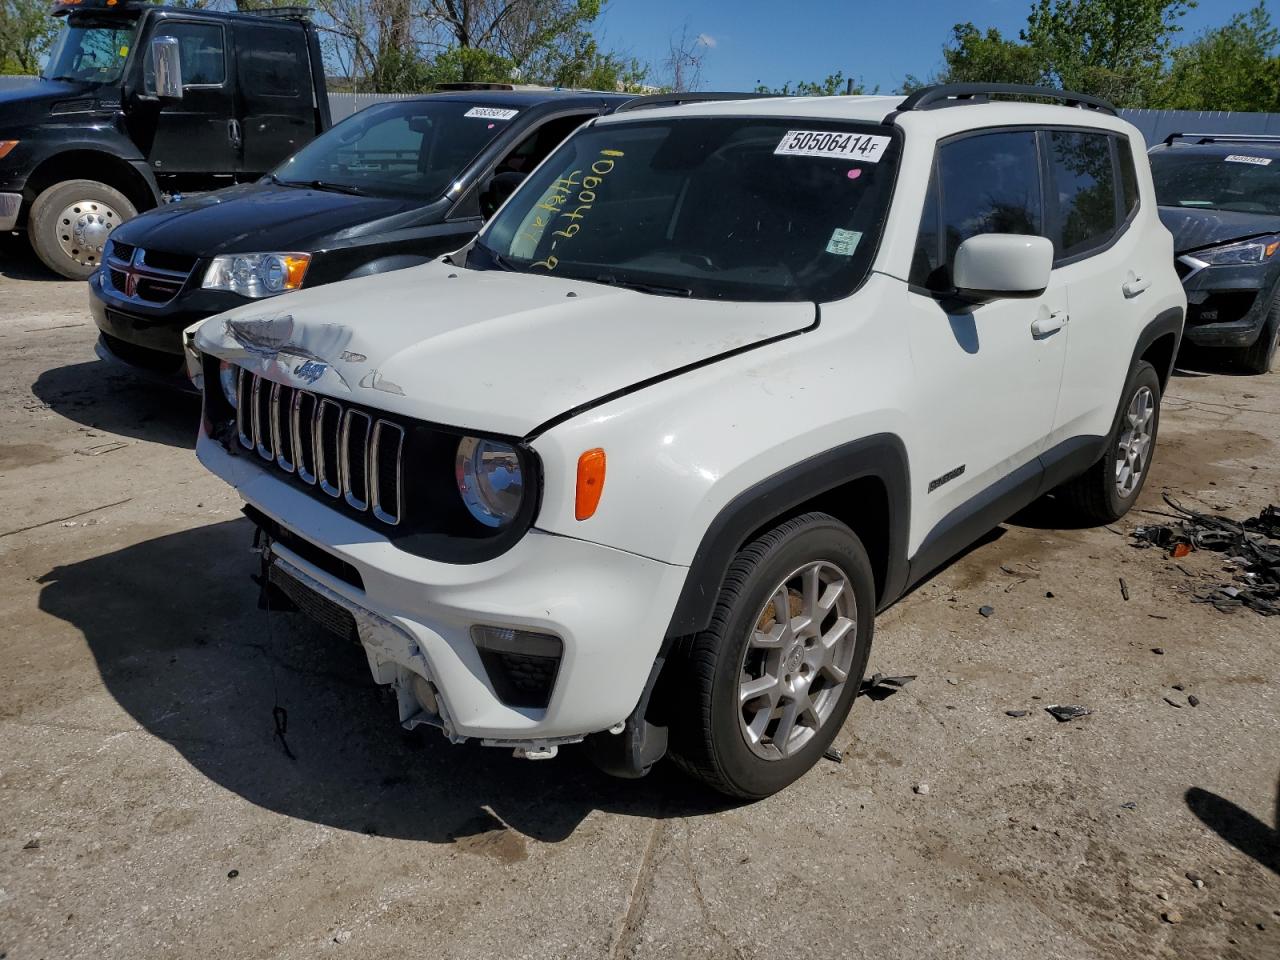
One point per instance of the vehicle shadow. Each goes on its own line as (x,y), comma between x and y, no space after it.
(18,262)
(174,628)
(105,397)
(1238,827)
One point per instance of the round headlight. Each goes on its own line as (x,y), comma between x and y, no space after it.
(490,480)
(274,274)
(227,377)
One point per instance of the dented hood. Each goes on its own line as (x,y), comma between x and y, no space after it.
(484,350)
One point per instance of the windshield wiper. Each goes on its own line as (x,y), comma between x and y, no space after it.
(615,281)
(321,185)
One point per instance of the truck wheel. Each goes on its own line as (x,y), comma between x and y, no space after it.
(1259,357)
(765,688)
(1105,492)
(70,222)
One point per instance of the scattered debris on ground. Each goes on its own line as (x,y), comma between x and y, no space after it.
(833,754)
(879,686)
(986,611)
(1252,547)
(1069,711)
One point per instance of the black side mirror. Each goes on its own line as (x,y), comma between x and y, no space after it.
(494,193)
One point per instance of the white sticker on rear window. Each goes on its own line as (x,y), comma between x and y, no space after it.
(843,242)
(1256,161)
(491,113)
(826,143)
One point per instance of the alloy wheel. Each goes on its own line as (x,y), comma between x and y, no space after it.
(1133,449)
(797,660)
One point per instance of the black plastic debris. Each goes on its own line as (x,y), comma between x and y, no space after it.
(1252,547)
(1193,700)
(1016,713)
(1172,703)
(833,754)
(1064,712)
(879,686)
(1129,805)
(986,611)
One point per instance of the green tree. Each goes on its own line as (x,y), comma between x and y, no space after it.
(1117,49)
(973,56)
(26,33)
(1232,67)
(832,85)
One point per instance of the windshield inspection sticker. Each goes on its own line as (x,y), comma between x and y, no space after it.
(824,143)
(843,242)
(1256,161)
(491,113)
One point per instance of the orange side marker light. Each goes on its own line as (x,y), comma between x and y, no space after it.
(590,483)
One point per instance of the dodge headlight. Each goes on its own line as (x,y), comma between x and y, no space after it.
(490,480)
(1250,251)
(257,274)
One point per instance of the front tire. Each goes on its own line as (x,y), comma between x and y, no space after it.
(1105,492)
(766,687)
(1260,357)
(70,222)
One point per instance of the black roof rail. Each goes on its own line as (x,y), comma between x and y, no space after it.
(280,13)
(654,100)
(1223,138)
(461,85)
(959,94)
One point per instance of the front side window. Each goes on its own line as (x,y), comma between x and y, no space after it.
(90,51)
(412,148)
(1085,187)
(200,47)
(1236,179)
(985,183)
(710,207)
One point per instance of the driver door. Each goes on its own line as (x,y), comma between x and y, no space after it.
(199,133)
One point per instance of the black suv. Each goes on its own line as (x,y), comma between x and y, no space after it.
(1219,196)
(393,186)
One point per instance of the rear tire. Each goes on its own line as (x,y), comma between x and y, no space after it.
(1105,492)
(1260,357)
(759,695)
(70,222)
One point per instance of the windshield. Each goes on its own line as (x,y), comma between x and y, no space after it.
(413,148)
(1240,182)
(92,51)
(711,207)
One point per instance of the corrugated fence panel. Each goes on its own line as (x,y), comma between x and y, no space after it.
(1158,124)
(1154,124)
(343,105)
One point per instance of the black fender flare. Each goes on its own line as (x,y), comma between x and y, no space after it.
(1166,322)
(882,456)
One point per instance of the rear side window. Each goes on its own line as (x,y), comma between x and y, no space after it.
(1084,188)
(269,65)
(988,183)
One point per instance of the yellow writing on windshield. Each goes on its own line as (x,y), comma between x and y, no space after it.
(558,201)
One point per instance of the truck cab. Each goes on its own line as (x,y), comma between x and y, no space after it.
(139,102)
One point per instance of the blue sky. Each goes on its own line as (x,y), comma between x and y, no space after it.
(880,41)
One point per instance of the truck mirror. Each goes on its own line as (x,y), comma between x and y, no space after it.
(165,81)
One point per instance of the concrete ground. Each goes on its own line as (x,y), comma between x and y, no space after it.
(146,809)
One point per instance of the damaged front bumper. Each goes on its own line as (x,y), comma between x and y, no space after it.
(417,619)
(1227,306)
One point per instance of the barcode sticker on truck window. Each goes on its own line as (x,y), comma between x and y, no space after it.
(1256,161)
(491,113)
(826,143)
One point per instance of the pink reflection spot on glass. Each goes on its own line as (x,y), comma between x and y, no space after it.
(854,174)
(491,126)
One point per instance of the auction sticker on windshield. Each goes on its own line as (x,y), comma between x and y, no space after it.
(491,113)
(1256,161)
(825,143)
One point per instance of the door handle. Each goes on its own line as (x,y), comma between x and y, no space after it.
(1043,326)
(233,132)
(1135,286)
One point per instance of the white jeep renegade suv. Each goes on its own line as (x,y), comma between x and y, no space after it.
(717,383)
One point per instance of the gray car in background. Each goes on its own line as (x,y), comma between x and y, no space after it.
(1220,198)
